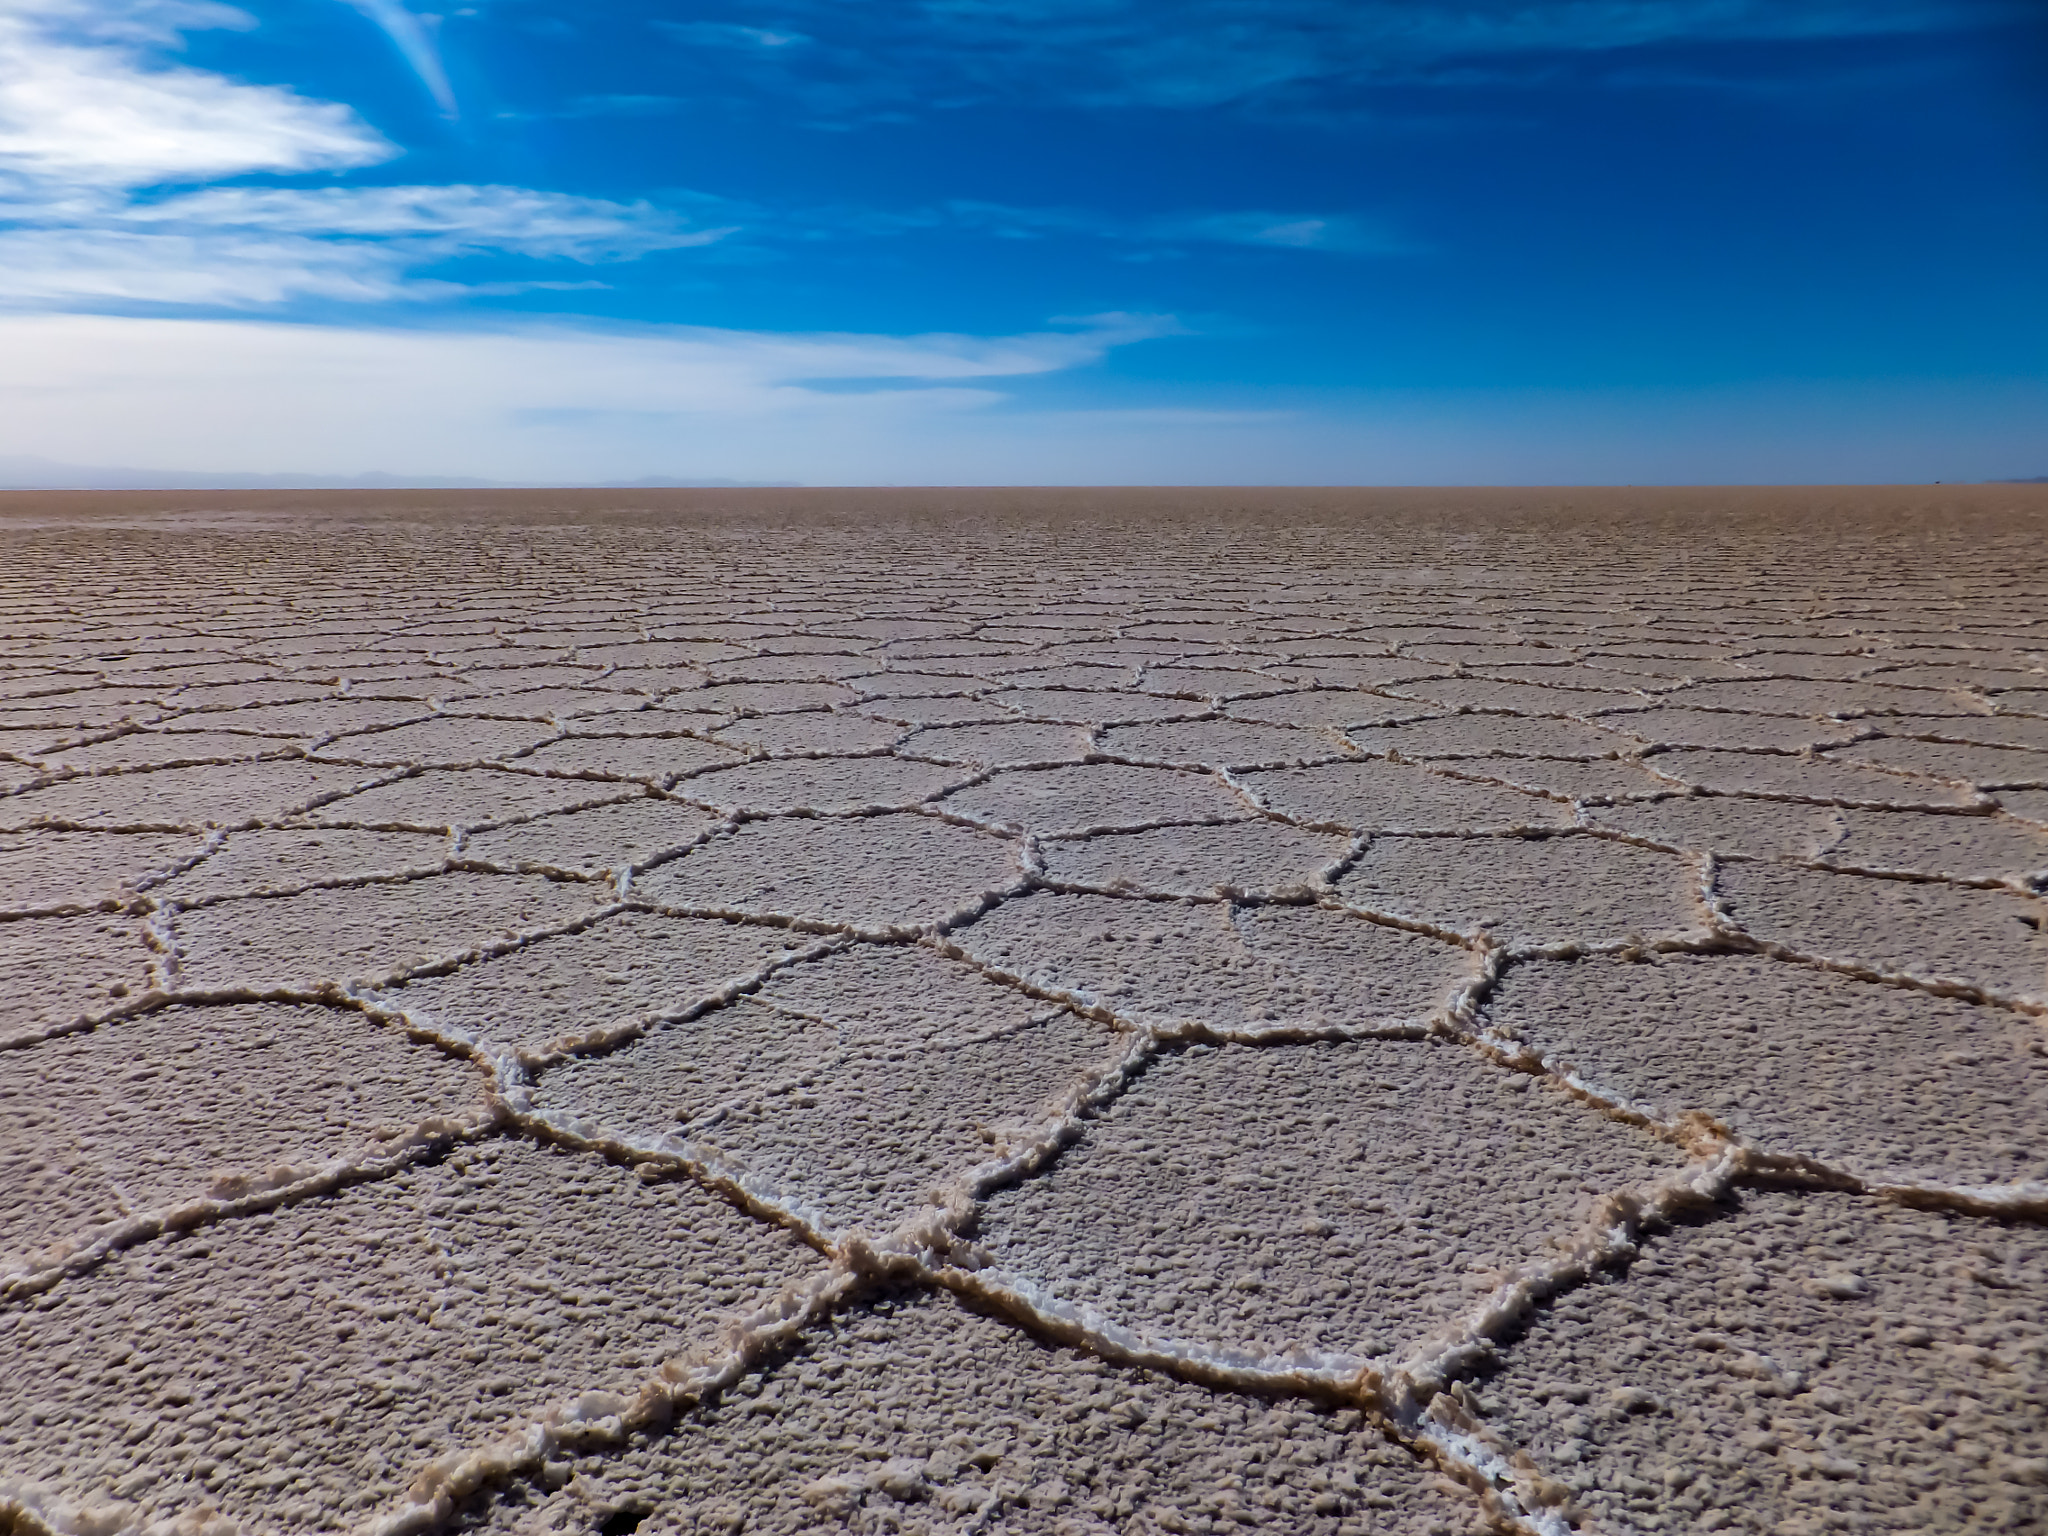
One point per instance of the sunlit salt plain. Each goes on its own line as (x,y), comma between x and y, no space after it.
(1003,1012)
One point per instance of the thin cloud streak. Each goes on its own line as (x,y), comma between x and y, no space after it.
(446,218)
(409,36)
(1336,233)
(247,248)
(1290,57)
(720,34)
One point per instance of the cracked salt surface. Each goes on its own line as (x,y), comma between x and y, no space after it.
(1041,1023)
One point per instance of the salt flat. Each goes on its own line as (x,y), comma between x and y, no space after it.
(1012,1012)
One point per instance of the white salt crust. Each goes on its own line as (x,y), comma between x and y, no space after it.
(598,1027)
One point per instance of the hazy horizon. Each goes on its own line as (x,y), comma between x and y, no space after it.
(24,473)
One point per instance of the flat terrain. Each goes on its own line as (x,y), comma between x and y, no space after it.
(1051,1012)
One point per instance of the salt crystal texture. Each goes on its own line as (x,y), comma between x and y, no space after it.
(1022,1012)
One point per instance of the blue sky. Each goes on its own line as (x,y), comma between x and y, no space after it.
(1250,241)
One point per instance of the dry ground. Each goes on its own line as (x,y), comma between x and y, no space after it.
(1025,1012)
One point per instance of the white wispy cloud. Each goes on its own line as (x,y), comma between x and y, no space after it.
(547,402)
(86,99)
(52,268)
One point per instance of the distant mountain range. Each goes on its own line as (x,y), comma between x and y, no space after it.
(2024,480)
(26,473)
